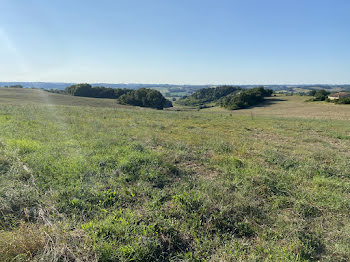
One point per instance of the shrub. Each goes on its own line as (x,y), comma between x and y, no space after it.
(343,100)
(319,95)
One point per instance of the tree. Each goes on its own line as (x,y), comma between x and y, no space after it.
(87,90)
(312,92)
(16,86)
(208,95)
(145,98)
(319,95)
(245,98)
(141,97)
(79,90)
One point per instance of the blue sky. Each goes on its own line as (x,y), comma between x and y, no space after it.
(176,41)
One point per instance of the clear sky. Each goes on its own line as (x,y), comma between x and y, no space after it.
(175,41)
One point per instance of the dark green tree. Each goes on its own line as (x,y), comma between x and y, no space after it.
(319,95)
(145,98)
(208,95)
(245,98)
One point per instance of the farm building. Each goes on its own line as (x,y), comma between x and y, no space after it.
(338,95)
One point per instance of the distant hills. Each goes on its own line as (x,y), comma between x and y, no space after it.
(175,92)
(63,85)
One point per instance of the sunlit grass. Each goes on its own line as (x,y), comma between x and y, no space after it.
(176,185)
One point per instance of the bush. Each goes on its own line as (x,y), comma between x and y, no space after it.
(344,100)
(319,95)
(168,103)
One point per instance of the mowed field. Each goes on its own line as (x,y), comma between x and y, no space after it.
(295,106)
(13,96)
(85,179)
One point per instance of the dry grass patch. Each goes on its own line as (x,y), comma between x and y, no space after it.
(24,243)
(295,106)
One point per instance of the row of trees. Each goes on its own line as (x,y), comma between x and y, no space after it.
(13,86)
(245,98)
(208,95)
(141,97)
(87,90)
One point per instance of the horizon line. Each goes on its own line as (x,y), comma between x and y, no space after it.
(140,83)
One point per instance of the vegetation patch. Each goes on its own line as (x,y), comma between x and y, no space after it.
(141,97)
(207,95)
(245,98)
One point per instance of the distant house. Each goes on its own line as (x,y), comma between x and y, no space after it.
(338,95)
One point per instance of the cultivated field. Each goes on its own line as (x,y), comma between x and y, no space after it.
(84,178)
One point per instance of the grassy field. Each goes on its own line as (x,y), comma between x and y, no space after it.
(85,179)
(295,106)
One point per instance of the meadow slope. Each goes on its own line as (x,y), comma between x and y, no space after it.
(87,179)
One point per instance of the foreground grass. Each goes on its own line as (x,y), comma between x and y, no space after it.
(111,183)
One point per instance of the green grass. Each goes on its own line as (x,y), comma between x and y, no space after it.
(98,181)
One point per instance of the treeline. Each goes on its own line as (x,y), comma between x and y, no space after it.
(13,86)
(142,97)
(87,90)
(322,95)
(319,95)
(207,95)
(230,97)
(245,98)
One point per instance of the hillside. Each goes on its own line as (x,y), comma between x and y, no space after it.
(88,179)
(40,97)
(229,97)
(293,107)
(207,95)
(176,92)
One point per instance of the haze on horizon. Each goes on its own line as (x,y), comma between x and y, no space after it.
(179,42)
